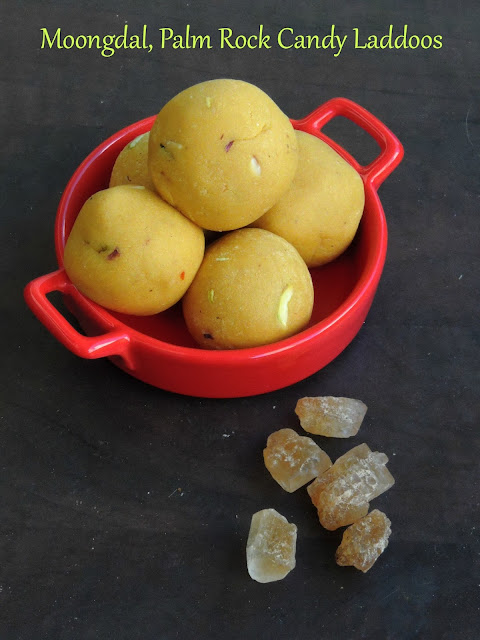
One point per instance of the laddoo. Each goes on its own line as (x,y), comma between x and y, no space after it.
(131,252)
(321,211)
(252,288)
(222,152)
(131,165)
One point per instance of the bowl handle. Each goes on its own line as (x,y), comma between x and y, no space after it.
(391,148)
(112,343)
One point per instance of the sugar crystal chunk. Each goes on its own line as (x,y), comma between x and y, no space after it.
(364,541)
(330,416)
(343,492)
(294,460)
(271,546)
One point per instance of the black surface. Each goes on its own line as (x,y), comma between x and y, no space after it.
(125,509)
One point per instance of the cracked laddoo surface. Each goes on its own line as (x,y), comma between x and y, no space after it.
(132,252)
(321,211)
(252,288)
(222,153)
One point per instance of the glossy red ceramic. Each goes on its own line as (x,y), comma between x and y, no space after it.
(159,350)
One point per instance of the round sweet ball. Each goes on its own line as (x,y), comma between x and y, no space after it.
(131,165)
(321,211)
(132,252)
(252,288)
(222,153)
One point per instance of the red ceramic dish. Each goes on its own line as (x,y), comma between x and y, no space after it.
(159,350)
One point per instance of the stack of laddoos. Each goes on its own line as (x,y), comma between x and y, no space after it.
(221,157)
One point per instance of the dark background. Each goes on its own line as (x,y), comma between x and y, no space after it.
(125,509)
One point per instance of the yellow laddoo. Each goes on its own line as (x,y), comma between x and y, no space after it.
(131,165)
(252,288)
(222,153)
(321,211)
(132,252)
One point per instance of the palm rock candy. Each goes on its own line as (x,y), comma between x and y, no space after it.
(364,541)
(343,492)
(330,416)
(271,546)
(294,460)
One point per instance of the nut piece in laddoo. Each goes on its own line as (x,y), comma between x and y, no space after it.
(321,211)
(222,153)
(294,460)
(132,252)
(364,541)
(131,165)
(331,417)
(252,289)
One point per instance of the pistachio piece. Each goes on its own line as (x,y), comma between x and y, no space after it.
(136,140)
(282,312)
(175,145)
(255,166)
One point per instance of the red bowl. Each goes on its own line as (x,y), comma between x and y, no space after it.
(159,350)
